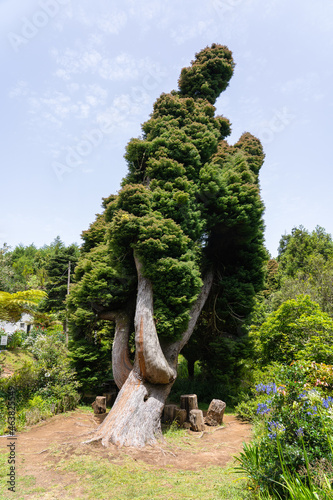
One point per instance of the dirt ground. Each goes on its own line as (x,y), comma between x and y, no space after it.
(37,447)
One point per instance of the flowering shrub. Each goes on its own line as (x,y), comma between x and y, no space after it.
(56,332)
(294,424)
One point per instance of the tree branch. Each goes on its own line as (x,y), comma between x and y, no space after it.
(121,363)
(150,361)
(171,351)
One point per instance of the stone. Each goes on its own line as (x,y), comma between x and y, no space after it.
(215,412)
(99,405)
(197,420)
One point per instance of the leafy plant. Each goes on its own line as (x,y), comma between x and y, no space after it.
(293,430)
(298,329)
(15,340)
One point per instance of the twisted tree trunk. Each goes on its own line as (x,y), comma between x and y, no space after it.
(135,418)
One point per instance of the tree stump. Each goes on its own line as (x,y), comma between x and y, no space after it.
(180,416)
(110,397)
(169,413)
(99,405)
(215,412)
(197,420)
(189,402)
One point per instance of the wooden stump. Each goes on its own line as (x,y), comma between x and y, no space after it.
(180,416)
(197,420)
(99,405)
(189,402)
(215,412)
(110,397)
(169,413)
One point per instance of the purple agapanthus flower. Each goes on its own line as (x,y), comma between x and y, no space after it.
(302,395)
(312,410)
(299,432)
(327,402)
(262,409)
(267,389)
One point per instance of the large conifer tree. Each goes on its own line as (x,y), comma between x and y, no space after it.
(185,230)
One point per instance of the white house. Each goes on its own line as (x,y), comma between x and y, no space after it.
(24,324)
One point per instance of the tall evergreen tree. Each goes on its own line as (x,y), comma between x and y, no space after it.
(181,243)
(59,262)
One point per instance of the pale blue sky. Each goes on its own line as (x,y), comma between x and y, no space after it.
(79,77)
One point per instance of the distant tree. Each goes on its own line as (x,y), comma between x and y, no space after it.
(7,283)
(305,267)
(22,259)
(299,329)
(297,248)
(56,268)
(183,237)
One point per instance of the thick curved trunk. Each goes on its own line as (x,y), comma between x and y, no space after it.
(150,361)
(121,363)
(135,418)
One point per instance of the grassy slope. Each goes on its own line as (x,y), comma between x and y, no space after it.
(14,359)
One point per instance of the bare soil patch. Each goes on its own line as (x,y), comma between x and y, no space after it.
(40,448)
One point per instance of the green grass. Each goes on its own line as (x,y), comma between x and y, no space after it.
(137,480)
(14,359)
(95,476)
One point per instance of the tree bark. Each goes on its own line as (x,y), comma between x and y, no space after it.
(189,402)
(150,360)
(121,363)
(135,418)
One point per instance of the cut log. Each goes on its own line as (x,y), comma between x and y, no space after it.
(215,412)
(197,420)
(110,398)
(180,416)
(169,414)
(99,405)
(189,402)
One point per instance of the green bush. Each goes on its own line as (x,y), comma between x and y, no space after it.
(299,329)
(44,386)
(15,339)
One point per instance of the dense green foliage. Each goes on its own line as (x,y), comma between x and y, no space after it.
(298,248)
(62,260)
(13,305)
(297,330)
(27,268)
(190,203)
